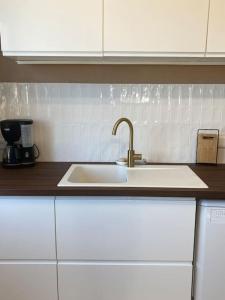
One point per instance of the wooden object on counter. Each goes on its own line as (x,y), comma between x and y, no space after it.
(207,146)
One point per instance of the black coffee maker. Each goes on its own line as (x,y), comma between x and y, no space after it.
(20,149)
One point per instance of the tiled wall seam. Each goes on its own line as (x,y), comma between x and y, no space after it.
(73,122)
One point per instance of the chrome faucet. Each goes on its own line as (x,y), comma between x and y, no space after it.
(131,155)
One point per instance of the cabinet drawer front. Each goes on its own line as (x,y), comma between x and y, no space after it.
(125,229)
(27,229)
(26,281)
(124,281)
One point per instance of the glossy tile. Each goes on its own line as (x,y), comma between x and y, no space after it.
(73,122)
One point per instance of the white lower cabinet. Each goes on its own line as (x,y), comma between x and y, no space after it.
(121,228)
(124,281)
(125,248)
(28,267)
(27,228)
(28,280)
(108,248)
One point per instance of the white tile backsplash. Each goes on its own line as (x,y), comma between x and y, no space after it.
(73,122)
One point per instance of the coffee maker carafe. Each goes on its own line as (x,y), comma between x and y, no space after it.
(20,149)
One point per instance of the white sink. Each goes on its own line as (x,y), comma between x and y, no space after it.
(94,174)
(159,176)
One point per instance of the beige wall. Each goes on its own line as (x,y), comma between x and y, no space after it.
(11,72)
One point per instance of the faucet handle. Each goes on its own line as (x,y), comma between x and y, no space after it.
(137,156)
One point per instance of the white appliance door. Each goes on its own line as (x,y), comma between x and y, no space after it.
(210,252)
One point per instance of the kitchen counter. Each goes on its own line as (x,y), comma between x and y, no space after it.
(42,180)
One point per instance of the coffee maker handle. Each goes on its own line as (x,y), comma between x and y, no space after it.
(36,151)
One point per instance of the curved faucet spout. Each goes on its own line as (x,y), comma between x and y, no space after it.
(131,155)
(116,125)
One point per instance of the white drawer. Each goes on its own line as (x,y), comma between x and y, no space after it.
(110,281)
(107,228)
(27,228)
(28,280)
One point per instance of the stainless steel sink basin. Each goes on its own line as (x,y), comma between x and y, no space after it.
(162,176)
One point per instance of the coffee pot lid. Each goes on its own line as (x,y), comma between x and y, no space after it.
(20,121)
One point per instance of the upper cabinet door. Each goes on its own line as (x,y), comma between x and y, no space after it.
(216,31)
(51,27)
(153,27)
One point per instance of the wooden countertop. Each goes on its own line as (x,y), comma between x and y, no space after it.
(42,180)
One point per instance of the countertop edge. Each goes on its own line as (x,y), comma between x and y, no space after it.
(42,180)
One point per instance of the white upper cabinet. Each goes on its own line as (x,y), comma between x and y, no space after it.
(216,31)
(155,28)
(51,27)
(57,30)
